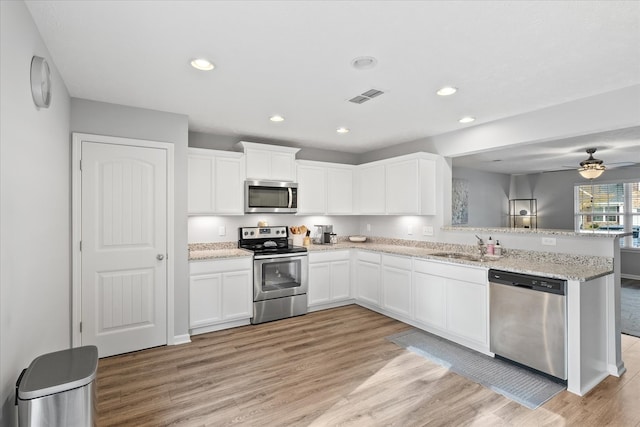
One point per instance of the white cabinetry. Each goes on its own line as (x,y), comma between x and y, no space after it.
(411,187)
(368,279)
(324,188)
(312,189)
(216,180)
(220,294)
(371,189)
(269,162)
(329,279)
(396,285)
(452,301)
(405,185)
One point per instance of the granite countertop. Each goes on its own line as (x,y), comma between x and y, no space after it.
(560,266)
(547,264)
(548,231)
(212,251)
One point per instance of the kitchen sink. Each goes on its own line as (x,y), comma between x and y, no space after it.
(457,255)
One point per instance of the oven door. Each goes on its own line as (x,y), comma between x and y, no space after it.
(277,276)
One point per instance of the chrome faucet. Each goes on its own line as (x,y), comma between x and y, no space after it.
(481,247)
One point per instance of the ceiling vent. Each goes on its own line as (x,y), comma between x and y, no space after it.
(366,96)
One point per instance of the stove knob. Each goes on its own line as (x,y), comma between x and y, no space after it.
(246,233)
(252,233)
(277,231)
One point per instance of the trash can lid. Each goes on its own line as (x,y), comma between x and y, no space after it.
(59,371)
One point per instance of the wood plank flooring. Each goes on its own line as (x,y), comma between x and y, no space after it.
(330,368)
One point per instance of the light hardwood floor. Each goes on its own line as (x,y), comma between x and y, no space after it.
(330,368)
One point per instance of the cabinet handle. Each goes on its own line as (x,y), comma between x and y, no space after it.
(160,257)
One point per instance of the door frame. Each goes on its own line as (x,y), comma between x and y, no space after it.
(76,226)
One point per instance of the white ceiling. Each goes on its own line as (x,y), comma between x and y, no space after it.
(293,58)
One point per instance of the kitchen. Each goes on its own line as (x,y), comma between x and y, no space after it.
(36,144)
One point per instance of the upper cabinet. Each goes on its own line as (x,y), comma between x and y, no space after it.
(405,185)
(269,162)
(324,188)
(216,182)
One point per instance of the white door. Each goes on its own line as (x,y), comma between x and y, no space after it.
(124,247)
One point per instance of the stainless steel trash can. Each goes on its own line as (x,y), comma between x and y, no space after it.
(58,389)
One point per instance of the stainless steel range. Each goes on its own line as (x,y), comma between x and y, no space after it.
(280,273)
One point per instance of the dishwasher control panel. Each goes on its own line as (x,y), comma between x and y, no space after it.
(537,283)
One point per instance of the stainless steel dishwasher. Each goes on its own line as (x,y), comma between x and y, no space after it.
(528,321)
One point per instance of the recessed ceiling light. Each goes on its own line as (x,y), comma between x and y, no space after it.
(467,119)
(447,90)
(342,130)
(202,64)
(364,62)
(276,118)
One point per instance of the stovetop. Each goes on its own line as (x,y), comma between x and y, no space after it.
(267,240)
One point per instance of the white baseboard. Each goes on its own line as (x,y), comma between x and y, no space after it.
(630,276)
(181,339)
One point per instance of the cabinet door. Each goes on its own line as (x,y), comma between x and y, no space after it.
(368,289)
(339,191)
(467,310)
(204,295)
(396,288)
(340,280)
(201,197)
(402,188)
(237,295)
(283,167)
(429,299)
(229,186)
(312,190)
(319,283)
(258,164)
(372,189)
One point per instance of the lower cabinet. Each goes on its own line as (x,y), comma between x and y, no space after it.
(368,278)
(396,285)
(220,294)
(329,279)
(452,301)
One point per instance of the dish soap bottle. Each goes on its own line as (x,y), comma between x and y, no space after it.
(490,246)
(497,250)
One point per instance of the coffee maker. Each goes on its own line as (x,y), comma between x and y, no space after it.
(323,234)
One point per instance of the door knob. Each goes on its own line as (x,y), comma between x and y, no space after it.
(160,257)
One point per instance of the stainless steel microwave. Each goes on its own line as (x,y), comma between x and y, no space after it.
(270,197)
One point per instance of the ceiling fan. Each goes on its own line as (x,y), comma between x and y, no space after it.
(592,168)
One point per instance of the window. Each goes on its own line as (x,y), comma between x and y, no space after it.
(609,209)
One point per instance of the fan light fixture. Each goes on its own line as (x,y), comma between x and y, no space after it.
(591,168)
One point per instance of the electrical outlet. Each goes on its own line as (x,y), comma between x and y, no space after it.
(549,241)
(222,231)
(409,229)
(427,230)
(368,227)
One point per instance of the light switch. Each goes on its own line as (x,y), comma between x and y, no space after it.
(222,230)
(409,229)
(368,227)
(427,230)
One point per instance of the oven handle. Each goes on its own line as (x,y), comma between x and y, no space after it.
(296,255)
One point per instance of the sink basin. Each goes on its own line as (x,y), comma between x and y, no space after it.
(457,255)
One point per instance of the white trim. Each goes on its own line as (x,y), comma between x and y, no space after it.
(630,276)
(76,227)
(181,339)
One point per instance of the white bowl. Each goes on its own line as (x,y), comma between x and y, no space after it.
(358,238)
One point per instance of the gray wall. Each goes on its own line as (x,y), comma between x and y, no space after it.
(118,120)
(228,143)
(488,197)
(34,207)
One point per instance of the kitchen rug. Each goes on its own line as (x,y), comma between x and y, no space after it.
(518,384)
(630,307)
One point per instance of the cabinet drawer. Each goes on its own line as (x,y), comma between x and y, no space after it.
(460,272)
(369,257)
(328,256)
(219,266)
(396,262)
